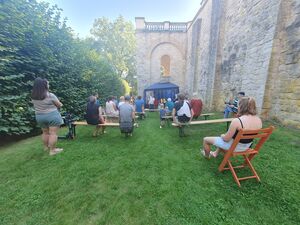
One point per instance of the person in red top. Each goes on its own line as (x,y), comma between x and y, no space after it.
(196,105)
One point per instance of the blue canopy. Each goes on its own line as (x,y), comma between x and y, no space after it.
(162,90)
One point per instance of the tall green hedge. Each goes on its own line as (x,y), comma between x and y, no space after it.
(35,42)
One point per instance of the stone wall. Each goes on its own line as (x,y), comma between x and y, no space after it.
(232,46)
(282,96)
(198,77)
(152,45)
(247,30)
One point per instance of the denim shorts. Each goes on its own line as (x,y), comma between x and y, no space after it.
(52,119)
(220,143)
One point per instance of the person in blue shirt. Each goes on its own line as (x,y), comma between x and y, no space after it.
(140,107)
(170,105)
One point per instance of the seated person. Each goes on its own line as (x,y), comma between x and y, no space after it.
(247,120)
(94,115)
(140,107)
(233,106)
(111,108)
(162,113)
(196,105)
(122,100)
(182,112)
(126,117)
(170,104)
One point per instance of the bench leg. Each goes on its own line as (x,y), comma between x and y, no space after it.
(181,132)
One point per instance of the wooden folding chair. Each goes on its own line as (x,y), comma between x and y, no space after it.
(261,135)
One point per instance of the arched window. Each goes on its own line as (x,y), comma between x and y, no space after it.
(165,65)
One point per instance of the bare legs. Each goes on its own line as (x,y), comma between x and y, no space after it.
(207,142)
(98,130)
(49,138)
(45,138)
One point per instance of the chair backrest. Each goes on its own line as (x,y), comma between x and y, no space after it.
(261,135)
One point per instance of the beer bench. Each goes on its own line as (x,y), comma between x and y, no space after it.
(199,122)
(152,110)
(84,123)
(205,115)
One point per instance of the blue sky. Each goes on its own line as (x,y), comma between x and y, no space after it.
(82,13)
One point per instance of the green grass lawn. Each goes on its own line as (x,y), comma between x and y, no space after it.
(154,177)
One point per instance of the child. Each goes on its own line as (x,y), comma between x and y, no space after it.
(162,113)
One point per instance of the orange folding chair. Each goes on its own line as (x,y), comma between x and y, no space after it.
(260,135)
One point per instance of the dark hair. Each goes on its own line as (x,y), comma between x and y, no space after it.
(247,106)
(241,93)
(139,97)
(92,99)
(40,89)
(127,98)
(181,96)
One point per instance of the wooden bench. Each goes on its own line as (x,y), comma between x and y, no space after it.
(205,115)
(84,123)
(199,122)
(152,110)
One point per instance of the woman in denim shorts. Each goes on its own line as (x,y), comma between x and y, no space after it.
(46,106)
(247,120)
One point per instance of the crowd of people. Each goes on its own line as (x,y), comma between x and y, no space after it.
(182,110)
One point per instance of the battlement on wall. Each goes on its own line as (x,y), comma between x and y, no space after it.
(166,26)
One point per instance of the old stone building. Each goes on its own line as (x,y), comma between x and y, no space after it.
(229,46)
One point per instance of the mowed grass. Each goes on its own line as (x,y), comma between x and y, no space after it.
(154,177)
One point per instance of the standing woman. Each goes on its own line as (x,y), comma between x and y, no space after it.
(46,106)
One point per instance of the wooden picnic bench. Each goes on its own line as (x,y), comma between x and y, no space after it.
(199,122)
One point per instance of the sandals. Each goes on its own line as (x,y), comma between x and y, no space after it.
(213,154)
(55,151)
(204,154)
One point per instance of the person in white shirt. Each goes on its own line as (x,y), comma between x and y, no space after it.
(111,108)
(151,102)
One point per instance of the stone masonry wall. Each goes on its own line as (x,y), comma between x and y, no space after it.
(151,47)
(282,96)
(199,76)
(232,46)
(247,29)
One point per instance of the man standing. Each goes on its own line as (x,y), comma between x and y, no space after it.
(233,106)
(151,102)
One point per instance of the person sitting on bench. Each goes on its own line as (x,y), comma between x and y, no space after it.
(247,120)
(126,117)
(140,107)
(182,112)
(233,106)
(111,108)
(94,115)
(196,105)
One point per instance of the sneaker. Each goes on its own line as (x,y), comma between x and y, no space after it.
(160,126)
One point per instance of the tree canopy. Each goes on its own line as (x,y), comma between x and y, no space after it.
(116,39)
(36,42)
